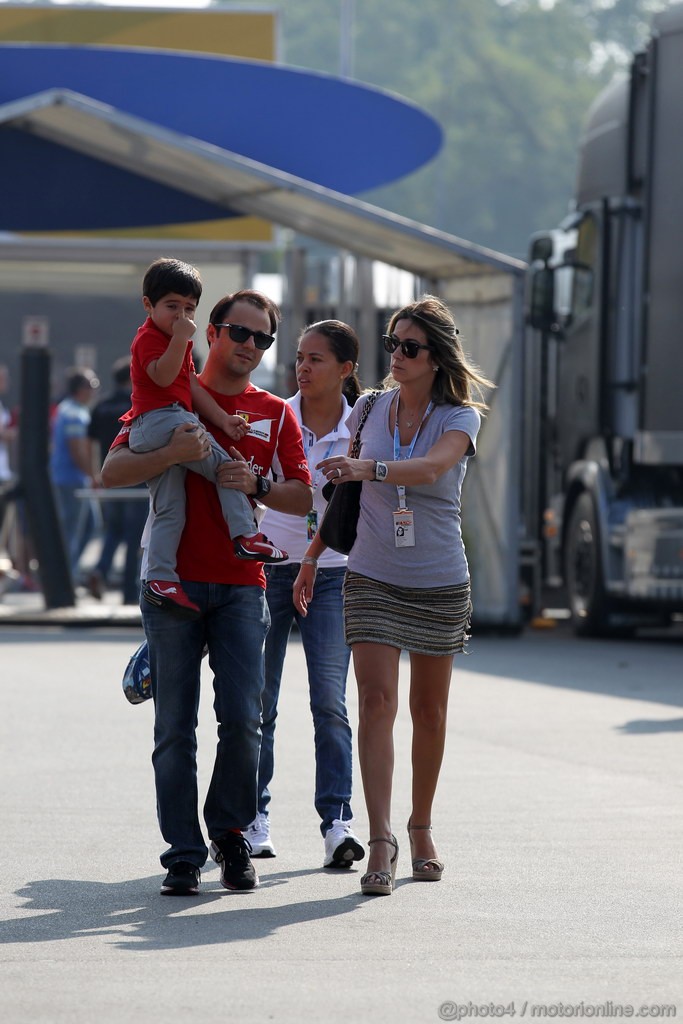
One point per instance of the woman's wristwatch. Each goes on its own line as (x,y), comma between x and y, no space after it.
(381,471)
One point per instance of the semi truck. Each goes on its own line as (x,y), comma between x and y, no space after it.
(603,369)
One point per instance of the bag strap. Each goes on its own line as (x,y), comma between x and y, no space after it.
(355,447)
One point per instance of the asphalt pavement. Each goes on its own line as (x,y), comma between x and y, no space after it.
(558,817)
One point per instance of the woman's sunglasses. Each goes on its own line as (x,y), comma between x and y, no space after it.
(408,348)
(242,334)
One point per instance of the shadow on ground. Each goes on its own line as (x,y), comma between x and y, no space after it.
(647,668)
(135,917)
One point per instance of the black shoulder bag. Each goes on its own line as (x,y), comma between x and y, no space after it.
(340,520)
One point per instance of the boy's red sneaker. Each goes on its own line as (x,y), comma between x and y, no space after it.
(259,549)
(169,594)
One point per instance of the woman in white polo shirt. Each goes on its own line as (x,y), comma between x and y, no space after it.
(326,361)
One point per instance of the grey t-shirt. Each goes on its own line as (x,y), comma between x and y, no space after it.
(438,558)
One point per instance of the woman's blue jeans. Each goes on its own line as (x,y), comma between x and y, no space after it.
(327,660)
(233,623)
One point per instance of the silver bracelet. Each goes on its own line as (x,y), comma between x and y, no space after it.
(309,560)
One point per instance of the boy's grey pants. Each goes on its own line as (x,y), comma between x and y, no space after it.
(153,430)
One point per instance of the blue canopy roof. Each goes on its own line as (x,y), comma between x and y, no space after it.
(340,135)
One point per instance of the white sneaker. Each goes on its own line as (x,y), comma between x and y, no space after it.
(341,846)
(258,836)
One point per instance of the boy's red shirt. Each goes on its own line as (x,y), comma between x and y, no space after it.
(205,553)
(149,343)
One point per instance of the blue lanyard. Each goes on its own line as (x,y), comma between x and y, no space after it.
(307,447)
(397,448)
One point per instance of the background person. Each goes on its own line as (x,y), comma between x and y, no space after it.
(230,593)
(327,387)
(13,526)
(8,433)
(407,585)
(71,462)
(7,436)
(123,519)
(8,430)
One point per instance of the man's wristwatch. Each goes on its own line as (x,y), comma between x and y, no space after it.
(381,471)
(262,487)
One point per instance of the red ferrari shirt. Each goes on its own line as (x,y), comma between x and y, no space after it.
(149,343)
(205,554)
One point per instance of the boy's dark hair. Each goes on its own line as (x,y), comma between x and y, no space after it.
(258,299)
(166,275)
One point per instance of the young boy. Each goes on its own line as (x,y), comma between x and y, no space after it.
(165,394)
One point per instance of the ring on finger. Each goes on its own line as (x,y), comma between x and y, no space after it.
(338,471)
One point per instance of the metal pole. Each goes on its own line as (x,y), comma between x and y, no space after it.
(34,480)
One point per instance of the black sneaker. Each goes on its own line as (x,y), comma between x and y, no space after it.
(182,880)
(231,853)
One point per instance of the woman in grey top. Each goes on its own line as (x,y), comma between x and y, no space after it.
(407,585)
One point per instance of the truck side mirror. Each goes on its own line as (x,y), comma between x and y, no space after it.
(541,248)
(540,312)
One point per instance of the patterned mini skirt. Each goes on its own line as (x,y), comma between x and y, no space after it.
(431,620)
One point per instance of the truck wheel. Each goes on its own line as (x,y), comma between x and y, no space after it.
(588,600)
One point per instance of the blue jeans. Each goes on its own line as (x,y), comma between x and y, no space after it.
(233,623)
(327,660)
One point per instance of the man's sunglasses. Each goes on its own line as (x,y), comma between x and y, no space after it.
(408,348)
(243,334)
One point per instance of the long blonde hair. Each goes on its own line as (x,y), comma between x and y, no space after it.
(458,381)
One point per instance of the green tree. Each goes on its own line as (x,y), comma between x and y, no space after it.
(510,84)
(509,81)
